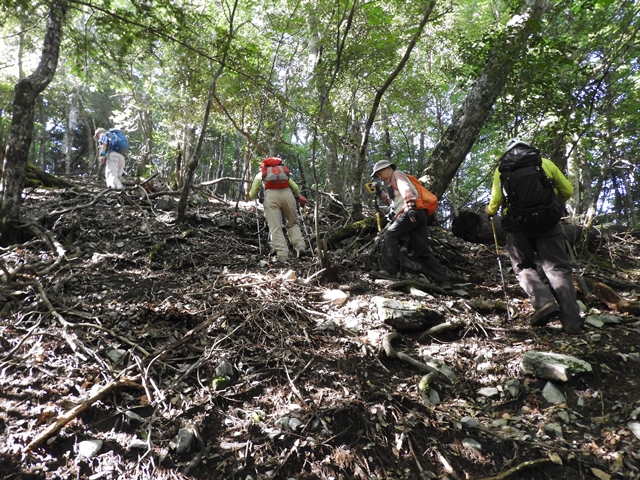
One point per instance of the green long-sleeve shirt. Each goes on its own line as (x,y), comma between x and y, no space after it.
(563,188)
(255,187)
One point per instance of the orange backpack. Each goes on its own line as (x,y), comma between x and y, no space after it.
(426,200)
(274,173)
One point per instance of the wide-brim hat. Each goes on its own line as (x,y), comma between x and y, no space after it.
(99,132)
(381,165)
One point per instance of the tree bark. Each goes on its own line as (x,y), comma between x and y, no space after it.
(359,173)
(24,102)
(195,158)
(455,144)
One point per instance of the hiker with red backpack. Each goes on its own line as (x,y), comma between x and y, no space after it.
(281,196)
(532,191)
(112,148)
(412,205)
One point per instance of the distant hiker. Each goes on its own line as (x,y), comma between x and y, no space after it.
(280,196)
(532,191)
(112,148)
(411,217)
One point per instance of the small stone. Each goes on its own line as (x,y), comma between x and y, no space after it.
(552,394)
(489,392)
(89,448)
(472,443)
(553,429)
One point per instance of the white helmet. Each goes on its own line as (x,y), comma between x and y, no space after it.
(513,142)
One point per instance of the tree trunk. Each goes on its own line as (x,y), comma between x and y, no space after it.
(195,158)
(476,228)
(359,173)
(455,144)
(24,101)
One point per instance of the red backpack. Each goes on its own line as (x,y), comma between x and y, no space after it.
(426,200)
(274,173)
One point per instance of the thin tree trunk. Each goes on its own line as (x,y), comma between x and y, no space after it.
(193,162)
(359,174)
(24,101)
(455,144)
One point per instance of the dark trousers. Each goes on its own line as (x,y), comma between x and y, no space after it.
(418,238)
(551,250)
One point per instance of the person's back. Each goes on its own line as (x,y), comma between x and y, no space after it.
(281,194)
(531,214)
(112,146)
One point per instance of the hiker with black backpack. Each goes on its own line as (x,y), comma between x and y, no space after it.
(112,148)
(281,199)
(412,204)
(532,191)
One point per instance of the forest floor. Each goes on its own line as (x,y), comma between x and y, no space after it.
(135,348)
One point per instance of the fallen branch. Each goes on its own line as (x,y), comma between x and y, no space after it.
(518,468)
(393,353)
(77,410)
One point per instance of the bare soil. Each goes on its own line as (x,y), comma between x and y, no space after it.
(111,292)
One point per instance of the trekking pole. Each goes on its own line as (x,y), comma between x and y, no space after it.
(306,229)
(504,287)
(258,223)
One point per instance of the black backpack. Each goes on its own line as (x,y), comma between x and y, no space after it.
(530,199)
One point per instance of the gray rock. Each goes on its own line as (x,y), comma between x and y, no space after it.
(489,392)
(472,443)
(553,429)
(594,321)
(514,387)
(183,441)
(552,394)
(166,204)
(553,366)
(406,316)
(89,448)
(138,444)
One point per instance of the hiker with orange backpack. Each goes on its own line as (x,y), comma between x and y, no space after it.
(281,195)
(412,205)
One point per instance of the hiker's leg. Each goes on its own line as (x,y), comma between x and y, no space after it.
(419,238)
(273,215)
(111,171)
(290,213)
(557,268)
(399,229)
(521,249)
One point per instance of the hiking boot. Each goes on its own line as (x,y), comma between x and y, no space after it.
(302,253)
(543,315)
(572,328)
(383,274)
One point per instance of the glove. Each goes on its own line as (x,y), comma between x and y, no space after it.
(411,212)
(302,200)
(486,210)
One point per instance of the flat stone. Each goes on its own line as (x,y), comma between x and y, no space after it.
(553,366)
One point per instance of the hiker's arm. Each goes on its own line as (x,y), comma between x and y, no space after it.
(496,195)
(294,188)
(563,186)
(255,186)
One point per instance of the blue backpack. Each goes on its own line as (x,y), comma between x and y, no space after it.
(117,141)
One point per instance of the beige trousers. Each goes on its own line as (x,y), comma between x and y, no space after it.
(113,168)
(279,204)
